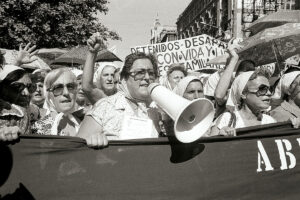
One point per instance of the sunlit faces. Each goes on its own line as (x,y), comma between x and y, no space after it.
(107,79)
(194,90)
(64,101)
(175,77)
(38,97)
(137,86)
(19,91)
(254,101)
(80,94)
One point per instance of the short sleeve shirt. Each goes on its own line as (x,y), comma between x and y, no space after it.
(211,84)
(110,112)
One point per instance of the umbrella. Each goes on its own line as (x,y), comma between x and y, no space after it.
(11,55)
(272,45)
(77,56)
(50,54)
(275,19)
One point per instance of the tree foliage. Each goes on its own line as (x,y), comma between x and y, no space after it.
(51,23)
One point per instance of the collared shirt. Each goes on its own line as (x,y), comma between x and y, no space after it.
(285,111)
(110,112)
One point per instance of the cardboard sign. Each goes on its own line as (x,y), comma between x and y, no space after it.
(193,52)
(136,128)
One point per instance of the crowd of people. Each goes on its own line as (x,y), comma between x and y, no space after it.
(112,103)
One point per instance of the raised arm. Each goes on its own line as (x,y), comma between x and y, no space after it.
(93,93)
(26,55)
(225,79)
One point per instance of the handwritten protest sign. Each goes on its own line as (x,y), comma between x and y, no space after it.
(193,52)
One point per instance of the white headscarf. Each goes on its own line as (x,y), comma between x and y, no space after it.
(49,105)
(284,84)
(183,84)
(77,72)
(236,90)
(97,74)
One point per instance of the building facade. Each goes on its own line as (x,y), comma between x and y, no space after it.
(162,33)
(225,19)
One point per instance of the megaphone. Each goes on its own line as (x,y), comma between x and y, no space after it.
(192,118)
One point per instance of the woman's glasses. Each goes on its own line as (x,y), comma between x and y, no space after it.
(19,87)
(262,91)
(140,74)
(59,88)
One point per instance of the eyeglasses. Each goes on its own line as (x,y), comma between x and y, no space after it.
(262,91)
(140,74)
(59,89)
(19,87)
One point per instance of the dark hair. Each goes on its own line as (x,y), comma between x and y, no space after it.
(176,67)
(129,60)
(37,77)
(245,66)
(13,76)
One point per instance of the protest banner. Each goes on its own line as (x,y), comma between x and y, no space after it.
(193,52)
(262,162)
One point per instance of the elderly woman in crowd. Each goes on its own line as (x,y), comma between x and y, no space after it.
(15,90)
(190,87)
(250,93)
(175,73)
(37,97)
(119,116)
(60,88)
(105,75)
(218,84)
(81,100)
(288,90)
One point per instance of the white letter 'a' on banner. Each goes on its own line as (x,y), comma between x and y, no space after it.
(283,154)
(263,158)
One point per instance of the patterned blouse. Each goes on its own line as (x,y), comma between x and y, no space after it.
(14,115)
(110,112)
(66,127)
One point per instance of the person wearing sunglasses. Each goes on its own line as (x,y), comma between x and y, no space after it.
(60,88)
(15,89)
(288,91)
(126,114)
(250,94)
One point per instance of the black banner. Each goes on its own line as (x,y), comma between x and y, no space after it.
(261,163)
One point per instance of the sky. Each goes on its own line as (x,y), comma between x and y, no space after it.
(133,20)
